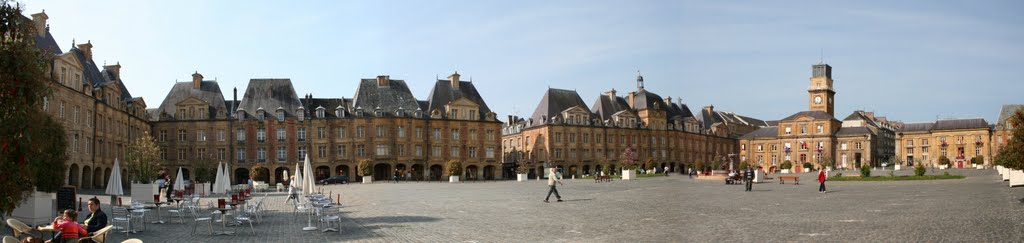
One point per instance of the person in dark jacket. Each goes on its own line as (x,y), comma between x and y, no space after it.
(96,219)
(749,176)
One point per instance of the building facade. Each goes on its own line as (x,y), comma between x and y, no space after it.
(563,133)
(273,128)
(960,140)
(815,136)
(1002,132)
(98,113)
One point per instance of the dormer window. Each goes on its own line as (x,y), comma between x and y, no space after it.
(261,114)
(377,112)
(400,112)
(240,113)
(418,113)
(320,112)
(359,111)
(339,112)
(301,112)
(280,114)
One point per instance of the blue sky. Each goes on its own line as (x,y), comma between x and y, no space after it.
(907,60)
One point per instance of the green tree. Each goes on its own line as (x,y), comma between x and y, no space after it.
(919,169)
(1012,155)
(629,161)
(744,165)
(978,160)
(259,173)
(943,160)
(365,167)
(202,170)
(454,168)
(865,170)
(141,159)
(32,144)
(786,165)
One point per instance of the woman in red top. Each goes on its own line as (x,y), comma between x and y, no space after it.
(68,226)
(821,179)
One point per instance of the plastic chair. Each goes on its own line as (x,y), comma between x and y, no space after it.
(98,236)
(20,229)
(132,241)
(10,239)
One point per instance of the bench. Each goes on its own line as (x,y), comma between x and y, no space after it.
(782,179)
(602,179)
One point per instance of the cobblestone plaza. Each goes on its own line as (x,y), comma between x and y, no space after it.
(978,208)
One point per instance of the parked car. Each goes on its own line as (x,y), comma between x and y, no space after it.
(333,180)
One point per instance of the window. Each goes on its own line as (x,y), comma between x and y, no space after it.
(760,148)
(436,151)
(88,119)
(472,152)
(342,150)
(803,129)
(360,132)
(240,135)
(320,113)
(302,152)
(490,153)
(280,115)
(558,153)
(360,150)
(62,109)
(419,133)
(454,152)
(163,153)
(75,116)
(382,150)
(842,146)
(261,135)
(401,150)
(163,135)
(322,151)
(282,154)
(201,135)
(302,134)
(181,135)
(181,154)
(999,139)
(910,142)
(401,132)
(419,150)
(220,135)
(240,154)
(490,135)
(221,153)
(382,132)
(261,154)
(320,132)
(977,151)
(857,145)
(910,151)
(455,134)
(788,130)
(280,134)
(341,132)
(821,129)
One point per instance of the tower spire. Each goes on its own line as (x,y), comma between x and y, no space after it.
(639,80)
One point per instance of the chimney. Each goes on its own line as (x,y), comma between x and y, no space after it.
(455,80)
(39,22)
(668,100)
(383,80)
(197,80)
(114,70)
(611,95)
(86,49)
(710,108)
(509,120)
(630,99)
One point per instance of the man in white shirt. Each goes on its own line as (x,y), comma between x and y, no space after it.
(553,178)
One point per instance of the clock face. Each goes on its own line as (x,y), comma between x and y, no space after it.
(817,99)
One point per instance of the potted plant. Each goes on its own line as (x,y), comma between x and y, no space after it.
(978,161)
(605,168)
(521,173)
(943,162)
(366,170)
(650,166)
(31,194)
(919,170)
(1011,156)
(143,166)
(202,174)
(865,170)
(454,170)
(629,165)
(807,167)
(698,166)
(786,165)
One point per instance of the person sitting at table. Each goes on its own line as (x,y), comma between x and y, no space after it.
(96,219)
(67,226)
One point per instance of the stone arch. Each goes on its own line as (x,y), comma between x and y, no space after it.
(322,172)
(661,168)
(586,169)
(280,173)
(572,171)
(382,171)
(97,178)
(343,170)
(86,177)
(73,175)
(262,175)
(241,176)
(541,172)
(597,169)
(417,172)
(186,174)
(106,177)
(489,172)
(436,172)
(124,178)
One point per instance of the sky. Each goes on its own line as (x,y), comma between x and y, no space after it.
(913,61)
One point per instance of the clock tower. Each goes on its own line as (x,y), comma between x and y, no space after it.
(821,94)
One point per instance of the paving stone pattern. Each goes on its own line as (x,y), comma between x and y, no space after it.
(979,208)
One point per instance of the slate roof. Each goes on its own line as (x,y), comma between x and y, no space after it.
(817,115)
(644,99)
(329,105)
(708,118)
(953,124)
(125,95)
(370,96)
(764,132)
(554,102)
(46,42)
(270,94)
(859,115)
(604,107)
(678,111)
(1007,111)
(917,127)
(209,92)
(853,131)
(443,93)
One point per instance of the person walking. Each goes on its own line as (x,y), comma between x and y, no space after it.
(552,179)
(749,176)
(821,180)
(666,170)
(690,173)
(395,176)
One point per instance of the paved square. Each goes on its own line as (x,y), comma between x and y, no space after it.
(666,209)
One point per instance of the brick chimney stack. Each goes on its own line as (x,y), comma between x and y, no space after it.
(115,70)
(197,80)
(86,49)
(455,80)
(39,21)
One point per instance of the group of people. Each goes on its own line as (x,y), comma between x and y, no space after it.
(399,174)
(68,228)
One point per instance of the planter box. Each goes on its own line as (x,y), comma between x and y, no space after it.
(202,189)
(980,167)
(807,170)
(453,179)
(1006,174)
(521,177)
(897,167)
(758,176)
(785,171)
(37,209)
(367,179)
(628,175)
(943,167)
(999,169)
(1016,178)
(144,192)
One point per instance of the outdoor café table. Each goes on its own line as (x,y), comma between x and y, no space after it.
(234,205)
(223,219)
(157,208)
(47,228)
(141,221)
